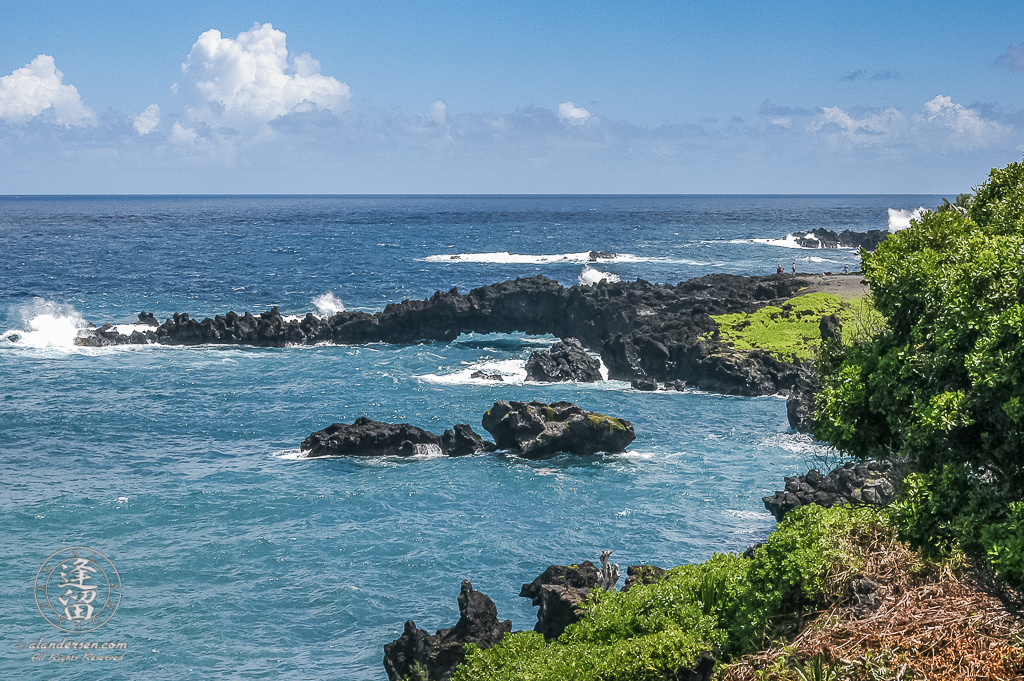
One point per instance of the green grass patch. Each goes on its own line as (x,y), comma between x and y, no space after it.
(791,331)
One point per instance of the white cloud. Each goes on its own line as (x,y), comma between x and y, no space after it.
(783,122)
(866,129)
(38,86)
(147,121)
(944,124)
(252,79)
(438,112)
(182,135)
(569,112)
(967,125)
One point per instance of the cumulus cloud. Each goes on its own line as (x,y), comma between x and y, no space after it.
(1012,59)
(967,125)
(147,121)
(253,79)
(943,122)
(570,113)
(866,128)
(438,112)
(182,135)
(38,87)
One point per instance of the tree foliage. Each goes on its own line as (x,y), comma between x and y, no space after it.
(942,389)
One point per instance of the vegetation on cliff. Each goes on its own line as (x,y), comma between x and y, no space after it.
(941,390)
(731,604)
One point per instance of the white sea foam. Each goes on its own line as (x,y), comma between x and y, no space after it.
(590,276)
(289,454)
(45,324)
(428,451)
(511,370)
(328,304)
(530,259)
(900,219)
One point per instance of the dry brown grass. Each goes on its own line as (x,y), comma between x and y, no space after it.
(928,624)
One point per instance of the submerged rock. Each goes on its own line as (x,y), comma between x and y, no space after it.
(366,437)
(567,360)
(442,652)
(536,429)
(870,482)
(486,376)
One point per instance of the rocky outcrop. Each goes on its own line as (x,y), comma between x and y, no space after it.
(566,361)
(826,238)
(536,429)
(642,574)
(365,437)
(560,590)
(641,330)
(442,652)
(870,482)
(644,384)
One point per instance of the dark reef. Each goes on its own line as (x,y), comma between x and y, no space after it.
(658,332)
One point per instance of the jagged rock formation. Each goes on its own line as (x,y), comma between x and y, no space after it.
(558,592)
(365,437)
(826,238)
(442,652)
(870,482)
(566,361)
(535,429)
(642,574)
(641,330)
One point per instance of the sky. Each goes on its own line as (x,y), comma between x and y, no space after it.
(385,97)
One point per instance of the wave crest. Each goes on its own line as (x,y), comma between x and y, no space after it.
(590,276)
(45,324)
(900,219)
(328,304)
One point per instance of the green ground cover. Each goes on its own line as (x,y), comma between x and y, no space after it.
(791,331)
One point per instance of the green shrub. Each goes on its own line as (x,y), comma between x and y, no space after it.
(727,603)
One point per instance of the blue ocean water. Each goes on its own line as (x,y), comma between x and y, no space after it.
(240,559)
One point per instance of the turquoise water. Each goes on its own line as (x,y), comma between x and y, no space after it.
(240,559)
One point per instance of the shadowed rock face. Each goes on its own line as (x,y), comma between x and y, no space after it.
(442,652)
(870,482)
(658,331)
(566,361)
(535,429)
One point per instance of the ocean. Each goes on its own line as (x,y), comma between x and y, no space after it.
(236,557)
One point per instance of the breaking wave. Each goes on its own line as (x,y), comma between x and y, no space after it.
(528,259)
(900,219)
(328,304)
(45,324)
(590,276)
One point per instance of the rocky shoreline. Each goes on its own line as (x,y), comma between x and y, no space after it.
(641,331)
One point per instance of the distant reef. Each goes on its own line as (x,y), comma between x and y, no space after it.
(826,238)
(654,332)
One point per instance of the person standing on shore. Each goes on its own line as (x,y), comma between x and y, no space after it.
(779,270)
(794,267)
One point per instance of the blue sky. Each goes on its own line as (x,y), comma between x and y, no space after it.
(567,97)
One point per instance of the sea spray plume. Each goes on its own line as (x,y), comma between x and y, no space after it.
(900,219)
(46,324)
(328,304)
(590,276)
